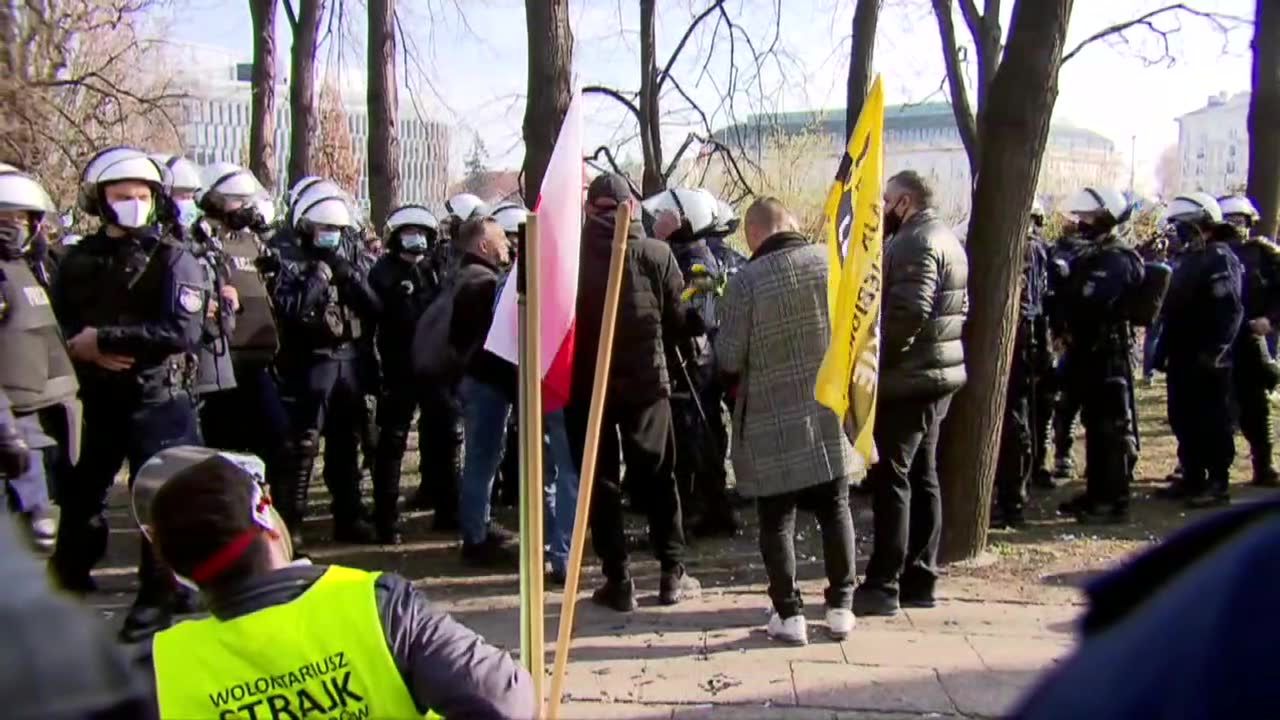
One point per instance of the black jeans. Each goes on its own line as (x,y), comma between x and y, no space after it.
(648,446)
(906,499)
(1017,451)
(829,502)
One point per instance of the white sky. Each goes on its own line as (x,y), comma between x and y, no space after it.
(473,63)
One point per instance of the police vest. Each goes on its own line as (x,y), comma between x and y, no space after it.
(35,370)
(322,655)
(255,334)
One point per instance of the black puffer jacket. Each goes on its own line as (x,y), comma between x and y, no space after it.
(445,666)
(650,306)
(926,299)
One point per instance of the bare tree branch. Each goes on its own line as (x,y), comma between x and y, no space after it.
(610,92)
(290,14)
(1146,20)
(966,123)
(688,33)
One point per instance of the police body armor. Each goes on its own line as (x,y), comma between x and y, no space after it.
(309,301)
(1143,306)
(35,370)
(256,336)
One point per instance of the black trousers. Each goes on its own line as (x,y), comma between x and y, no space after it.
(439,447)
(1110,430)
(1250,386)
(644,435)
(906,499)
(248,418)
(829,502)
(1017,439)
(1200,413)
(1066,409)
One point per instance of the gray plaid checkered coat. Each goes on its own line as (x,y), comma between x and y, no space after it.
(774,329)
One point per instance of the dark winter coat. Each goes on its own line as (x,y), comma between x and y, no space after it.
(925,302)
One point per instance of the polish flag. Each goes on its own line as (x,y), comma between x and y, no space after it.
(559,211)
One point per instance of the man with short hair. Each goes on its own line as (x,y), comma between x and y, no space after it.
(637,406)
(923,311)
(790,451)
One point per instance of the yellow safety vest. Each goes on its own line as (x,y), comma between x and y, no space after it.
(323,656)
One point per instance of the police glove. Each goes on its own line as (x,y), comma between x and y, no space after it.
(343,271)
(15,455)
(268,263)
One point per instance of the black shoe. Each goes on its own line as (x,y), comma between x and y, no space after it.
(75,582)
(144,620)
(1007,519)
(421,500)
(922,600)
(1043,479)
(388,534)
(617,596)
(1076,505)
(874,601)
(501,535)
(677,586)
(489,554)
(1115,514)
(556,578)
(1265,477)
(1179,490)
(355,532)
(1208,499)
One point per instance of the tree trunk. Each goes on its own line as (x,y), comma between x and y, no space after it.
(384,113)
(550,63)
(1264,110)
(262,107)
(966,123)
(861,54)
(302,88)
(650,129)
(1013,133)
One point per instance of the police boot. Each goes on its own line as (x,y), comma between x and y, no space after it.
(386,494)
(1064,468)
(445,485)
(152,608)
(1214,493)
(79,546)
(1264,470)
(293,486)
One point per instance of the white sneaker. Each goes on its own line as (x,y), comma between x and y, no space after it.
(44,531)
(840,622)
(793,631)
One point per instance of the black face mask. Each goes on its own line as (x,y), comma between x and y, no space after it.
(1188,235)
(892,222)
(243,218)
(1090,231)
(682,234)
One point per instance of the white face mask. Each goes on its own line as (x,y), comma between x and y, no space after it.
(132,213)
(413,241)
(188,213)
(328,239)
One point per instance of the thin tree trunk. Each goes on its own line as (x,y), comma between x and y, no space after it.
(1264,117)
(384,112)
(1013,133)
(550,63)
(966,122)
(302,88)
(650,130)
(262,107)
(865,17)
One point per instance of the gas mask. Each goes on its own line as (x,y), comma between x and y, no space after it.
(414,243)
(243,218)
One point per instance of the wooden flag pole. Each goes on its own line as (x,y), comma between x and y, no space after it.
(532,615)
(591,447)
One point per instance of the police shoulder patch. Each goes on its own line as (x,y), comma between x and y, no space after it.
(190,298)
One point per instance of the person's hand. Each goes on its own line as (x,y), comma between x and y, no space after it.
(211,309)
(114,363)
(84,346)
(342,270)
(1261,326)
(15,455)
(232,296)
(267,263)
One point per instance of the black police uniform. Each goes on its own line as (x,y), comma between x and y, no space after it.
(144,295)
(1253,371)
(250,417)
(1202,313)
(1101,280)
(1044,382)
(1018,440)
(696,404)
(215,373)
(406,285)
(322,303)
(1066,404)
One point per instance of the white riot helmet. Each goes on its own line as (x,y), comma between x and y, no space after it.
(509,216)
(726,219)
(1234,206)
(184,175)
(696,205)
(120,164)
(1108,204)
(1197,208)
(22,193)
(330,210)
(466,206)
(405,217)
(301,186)
(317,189)
(234,196)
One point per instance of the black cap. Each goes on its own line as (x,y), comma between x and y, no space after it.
(608,191)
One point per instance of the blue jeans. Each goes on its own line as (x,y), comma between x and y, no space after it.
(485,412)
(562,500)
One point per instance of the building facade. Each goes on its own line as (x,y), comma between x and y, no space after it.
(215,128)
(1213,145)
(924,138)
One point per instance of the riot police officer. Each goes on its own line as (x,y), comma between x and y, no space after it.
(1101,284)
(323,303)
(1043,380)
(35,371)
(1066,402)
(406,280)
(1018,439)
(130,299)
(687,219)
(727,222)
(1253,372)
(250,417)
(1202,313)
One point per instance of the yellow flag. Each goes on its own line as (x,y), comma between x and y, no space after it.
(848,378)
